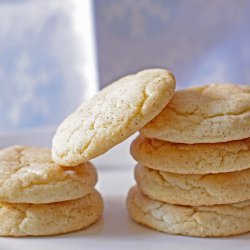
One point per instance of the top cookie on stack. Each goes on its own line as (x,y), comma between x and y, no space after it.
(28,175)
(208,114)
(112,115)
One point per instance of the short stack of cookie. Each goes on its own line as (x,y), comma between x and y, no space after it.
(193,171)
(39,197)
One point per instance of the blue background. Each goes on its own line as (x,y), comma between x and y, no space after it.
(40,53)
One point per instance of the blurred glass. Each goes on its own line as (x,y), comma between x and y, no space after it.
(47,61)
(200,41)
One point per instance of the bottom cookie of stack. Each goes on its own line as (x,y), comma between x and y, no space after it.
(26,219)
(201,221)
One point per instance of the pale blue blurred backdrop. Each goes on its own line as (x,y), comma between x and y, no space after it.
(199,40)
(49,49)
(47,66)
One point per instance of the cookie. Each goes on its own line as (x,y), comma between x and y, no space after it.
(194,190)
(192,158)
(112,115)
(50,219)
(28,175)
(208,114)
(201,221)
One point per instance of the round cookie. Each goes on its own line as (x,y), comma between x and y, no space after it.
(50,219)
(202,221)
(194,190)
(112,115)
(192,158)
(28,175)
(208,114)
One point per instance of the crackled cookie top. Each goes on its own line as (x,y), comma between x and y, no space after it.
(50,219)
(28,175)
(207,114)
(203,158)
(201,221)
(194,189)
(112,115)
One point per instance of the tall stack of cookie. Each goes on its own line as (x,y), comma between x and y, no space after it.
(193,174)
(39,197)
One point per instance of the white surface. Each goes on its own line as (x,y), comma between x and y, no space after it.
(115,230)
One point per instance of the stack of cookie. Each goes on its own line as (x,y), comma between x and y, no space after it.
(44,196)
(193,174)
(39,197)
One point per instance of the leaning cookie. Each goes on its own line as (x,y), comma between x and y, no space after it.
(194,190)
(202,221)
(192,158)
(28,175)
(208,114)
(50,219)
(112,115)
